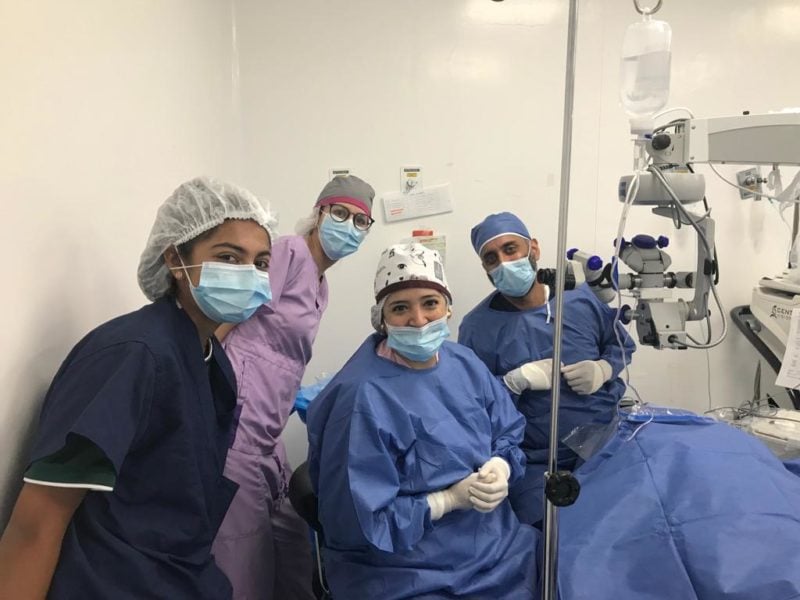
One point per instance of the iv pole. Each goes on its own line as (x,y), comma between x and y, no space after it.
(550,579)
(561,488)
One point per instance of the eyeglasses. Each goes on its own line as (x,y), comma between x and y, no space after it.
(340,213)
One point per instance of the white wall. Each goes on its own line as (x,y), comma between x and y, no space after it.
(107,106)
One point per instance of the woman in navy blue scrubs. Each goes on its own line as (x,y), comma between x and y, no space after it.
(124,491)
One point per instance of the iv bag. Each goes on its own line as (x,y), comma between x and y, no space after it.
(645,68)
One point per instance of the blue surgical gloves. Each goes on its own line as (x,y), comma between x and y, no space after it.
(584,377)
(587,376)
(534,375)
(483,491)
(307,393)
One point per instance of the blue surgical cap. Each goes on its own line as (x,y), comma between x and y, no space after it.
(494,226)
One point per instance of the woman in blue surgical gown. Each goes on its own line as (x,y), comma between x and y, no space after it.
(124,490)
(412,447)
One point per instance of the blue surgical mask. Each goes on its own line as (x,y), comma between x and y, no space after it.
(418,343)
(514,278)
(339,239)
(230,293)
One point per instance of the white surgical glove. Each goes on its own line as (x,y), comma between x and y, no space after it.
(456,497)
(587,376)
(491,488)
(530,376)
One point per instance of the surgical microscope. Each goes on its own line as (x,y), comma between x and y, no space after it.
(668,186)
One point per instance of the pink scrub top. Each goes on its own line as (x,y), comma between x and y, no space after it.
(269,352)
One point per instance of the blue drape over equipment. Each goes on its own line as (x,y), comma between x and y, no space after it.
(687,508)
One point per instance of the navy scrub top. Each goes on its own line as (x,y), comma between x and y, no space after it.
(139,389)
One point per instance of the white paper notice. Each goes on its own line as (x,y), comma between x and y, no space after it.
(433,200)
(434,242)
(789,376)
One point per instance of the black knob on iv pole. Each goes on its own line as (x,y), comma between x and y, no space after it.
(561,488)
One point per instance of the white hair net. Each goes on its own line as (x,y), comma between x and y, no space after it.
(194,208)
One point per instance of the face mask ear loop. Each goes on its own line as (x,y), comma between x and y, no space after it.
(183,265)
(532,260)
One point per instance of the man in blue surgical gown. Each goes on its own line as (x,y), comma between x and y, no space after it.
(511,331)
(411,449)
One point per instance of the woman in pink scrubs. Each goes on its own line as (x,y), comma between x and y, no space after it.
(263,544)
